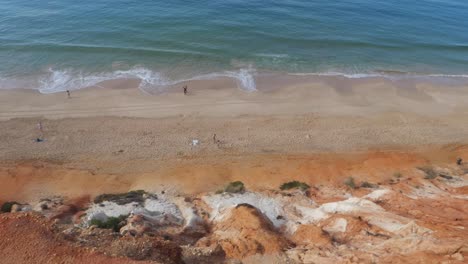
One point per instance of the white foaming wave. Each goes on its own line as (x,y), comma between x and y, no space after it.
(381,75)
(449,75)
(245,78)
(62,80)
(272,55)
(148,79)
(347,75)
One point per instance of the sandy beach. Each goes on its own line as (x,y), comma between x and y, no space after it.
(121,131)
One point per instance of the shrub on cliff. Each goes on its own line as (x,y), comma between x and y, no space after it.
(350,183)
(235,187)
(122,198)
(368,185)
(6,207)
(111,223)
(294,185)
(429,172)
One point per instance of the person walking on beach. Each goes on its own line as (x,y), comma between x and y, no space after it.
(68,94)
(185,90)
(40,138)
(39,126)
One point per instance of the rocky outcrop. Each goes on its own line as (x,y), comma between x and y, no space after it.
(411,218)
(246,231)
(203,255)
(61,209)
(136,225)
(146,248)
(310,235)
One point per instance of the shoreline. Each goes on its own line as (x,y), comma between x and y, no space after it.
(246,79)
(326,96)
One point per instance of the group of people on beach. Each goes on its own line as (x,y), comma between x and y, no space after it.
(40,127)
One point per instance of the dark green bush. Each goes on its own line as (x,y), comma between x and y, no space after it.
(235,187)
(368,185)
(350,183)
(429,172)
(111,223)
(121,198)
(6,207)
(294,185)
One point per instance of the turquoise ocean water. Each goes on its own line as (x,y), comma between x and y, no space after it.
(67,44)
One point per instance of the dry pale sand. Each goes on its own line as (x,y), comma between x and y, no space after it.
(118,138)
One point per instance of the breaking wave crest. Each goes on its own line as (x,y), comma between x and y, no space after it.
(392,75)
(150,81)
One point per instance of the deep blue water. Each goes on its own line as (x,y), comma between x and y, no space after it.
(67,43)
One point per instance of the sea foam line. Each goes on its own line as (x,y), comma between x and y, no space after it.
(380,75)
(62,80)
(152,81)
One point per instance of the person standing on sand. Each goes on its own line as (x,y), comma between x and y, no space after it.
(41,132)
(185,89)
(68,94)
(39,126)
